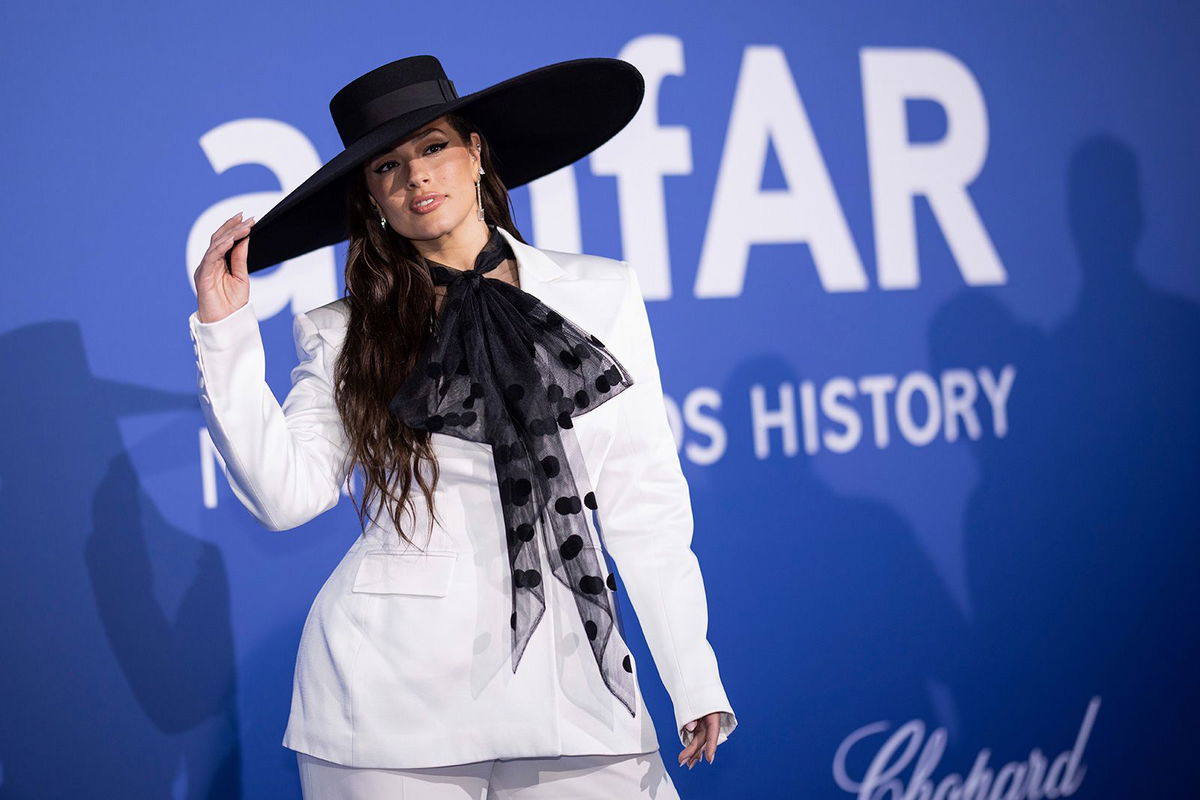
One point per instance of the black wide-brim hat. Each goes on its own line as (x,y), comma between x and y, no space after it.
(535,123)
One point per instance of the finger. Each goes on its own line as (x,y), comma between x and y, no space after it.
(697,745)
(238,258)
(713,726)
(692,748)
(221,244)
(225,226)
(214,261)
(219,251)
(230,235)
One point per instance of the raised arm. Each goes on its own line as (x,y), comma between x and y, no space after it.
(286,464)
(646,522)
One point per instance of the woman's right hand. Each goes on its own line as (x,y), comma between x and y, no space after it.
(221,291)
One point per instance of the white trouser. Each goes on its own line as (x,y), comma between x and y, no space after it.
(575,777)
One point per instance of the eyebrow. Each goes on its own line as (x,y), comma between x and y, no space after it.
(417,137)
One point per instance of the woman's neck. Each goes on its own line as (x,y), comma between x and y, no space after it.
(457,249)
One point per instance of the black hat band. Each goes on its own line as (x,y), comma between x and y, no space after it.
(357,121)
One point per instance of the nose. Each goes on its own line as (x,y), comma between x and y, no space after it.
(416,174)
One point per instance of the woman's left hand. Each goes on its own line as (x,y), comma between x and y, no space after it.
(704,740)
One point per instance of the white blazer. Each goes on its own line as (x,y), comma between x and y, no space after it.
(404,660)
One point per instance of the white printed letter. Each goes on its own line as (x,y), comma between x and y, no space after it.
(639,156)
(941,171)
(767,109)
(305,282)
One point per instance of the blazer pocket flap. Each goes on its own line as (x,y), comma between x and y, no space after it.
(384,572)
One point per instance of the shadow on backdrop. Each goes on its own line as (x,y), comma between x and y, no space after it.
(118,651)
(851,623)
(1081,537)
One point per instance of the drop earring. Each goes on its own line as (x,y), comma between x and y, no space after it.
(479,196)
(479,192)
(382,221)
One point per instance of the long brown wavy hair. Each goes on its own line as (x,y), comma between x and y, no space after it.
(392,310)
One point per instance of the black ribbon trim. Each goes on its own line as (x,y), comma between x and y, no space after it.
(355,122)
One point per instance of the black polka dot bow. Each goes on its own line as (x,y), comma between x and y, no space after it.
(502,367)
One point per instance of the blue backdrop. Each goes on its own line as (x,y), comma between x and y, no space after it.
(923,281)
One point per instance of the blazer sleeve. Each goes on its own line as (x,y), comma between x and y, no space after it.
(285,463)
(646,523)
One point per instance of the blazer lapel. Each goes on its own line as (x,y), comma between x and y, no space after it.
(535,269)
(593,307)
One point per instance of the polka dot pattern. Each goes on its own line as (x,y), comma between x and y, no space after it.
(503,368)
(591,584)
(571,547)
(568,505)
(526,578)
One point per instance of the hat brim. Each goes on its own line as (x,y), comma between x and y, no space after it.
(536,123)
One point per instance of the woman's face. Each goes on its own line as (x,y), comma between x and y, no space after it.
(434,165)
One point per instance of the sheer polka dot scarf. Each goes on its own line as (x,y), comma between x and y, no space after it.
(502,367)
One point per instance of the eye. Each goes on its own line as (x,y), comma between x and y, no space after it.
(436,147)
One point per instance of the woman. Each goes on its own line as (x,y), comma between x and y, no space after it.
(475,384)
